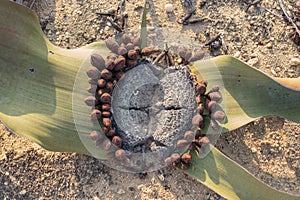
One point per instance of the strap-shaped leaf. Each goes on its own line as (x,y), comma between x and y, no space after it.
(230,180)
(37,81)
(144,26)
(249,94)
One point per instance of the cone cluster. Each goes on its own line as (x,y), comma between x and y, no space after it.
(208,108)
(103,76)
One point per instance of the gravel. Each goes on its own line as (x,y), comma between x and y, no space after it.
(268,147)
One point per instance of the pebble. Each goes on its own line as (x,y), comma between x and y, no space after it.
(254,150)
(237,54)
(295,61)
(169,8)
(273,72)
(22,192)
(252,61)
(121,191)
(106,28)
(269,45)
(277,69)
(253,55)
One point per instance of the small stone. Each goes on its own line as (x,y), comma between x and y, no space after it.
(253,55)
(269,45)
(237,54)
(121,191)
(277,69)
(253,61)
(254,150)
(295,61)
(169,8)
(273,72)
(22,192)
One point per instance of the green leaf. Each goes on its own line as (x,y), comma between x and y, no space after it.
(230,180)
(37,80)
(144,26)
(248,93)
(37,91)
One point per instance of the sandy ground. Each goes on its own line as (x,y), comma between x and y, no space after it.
(268,148)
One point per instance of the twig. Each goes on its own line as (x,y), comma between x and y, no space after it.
(270,11)
(212,39)
(196,20)
(105,14)
(32,3)
(288,17)
(114,25)
(185,20)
